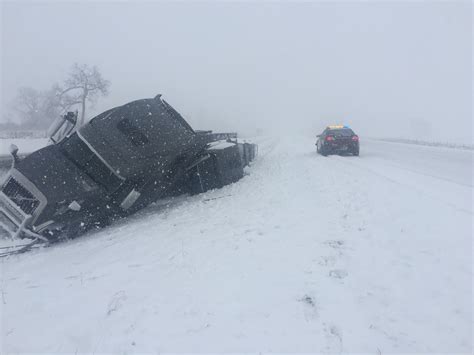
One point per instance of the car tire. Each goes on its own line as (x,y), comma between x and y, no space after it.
(324,152)
(356,152)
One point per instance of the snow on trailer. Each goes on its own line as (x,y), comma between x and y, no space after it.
(118,163)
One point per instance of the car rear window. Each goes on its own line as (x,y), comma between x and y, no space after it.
(346,132)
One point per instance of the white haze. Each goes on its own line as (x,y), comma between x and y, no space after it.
(392,69)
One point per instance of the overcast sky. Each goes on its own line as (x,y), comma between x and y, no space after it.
(400,69)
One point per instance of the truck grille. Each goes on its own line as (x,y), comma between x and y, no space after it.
(20,196)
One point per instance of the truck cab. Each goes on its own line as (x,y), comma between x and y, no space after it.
(118,162)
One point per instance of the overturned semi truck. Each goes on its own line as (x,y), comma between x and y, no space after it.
(116,164)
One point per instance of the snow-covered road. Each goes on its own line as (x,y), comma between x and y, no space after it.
(305,254)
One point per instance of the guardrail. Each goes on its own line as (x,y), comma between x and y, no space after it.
(464,146)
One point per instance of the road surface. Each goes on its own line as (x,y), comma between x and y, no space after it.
(305,254)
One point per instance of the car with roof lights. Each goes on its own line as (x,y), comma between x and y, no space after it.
(337,139)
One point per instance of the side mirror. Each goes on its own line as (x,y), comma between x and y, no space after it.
(318,136)
(13,150)
(14,153)
(62,126)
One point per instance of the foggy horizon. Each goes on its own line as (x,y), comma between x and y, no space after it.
(386,69)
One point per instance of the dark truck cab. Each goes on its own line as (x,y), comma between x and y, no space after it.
(119,162)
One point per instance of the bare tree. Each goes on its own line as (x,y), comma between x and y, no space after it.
(63,101)
(84,84)
(37,109)
(28,101)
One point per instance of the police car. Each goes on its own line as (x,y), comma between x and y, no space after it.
(337,139)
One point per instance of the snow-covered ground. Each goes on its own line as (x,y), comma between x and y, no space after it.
(25,145)
(305,254)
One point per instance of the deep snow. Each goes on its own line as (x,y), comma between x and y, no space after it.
(306,253)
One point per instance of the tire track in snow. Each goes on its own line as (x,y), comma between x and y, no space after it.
(410,185)
(386,204)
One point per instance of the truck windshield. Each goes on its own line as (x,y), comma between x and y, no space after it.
(85,159)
